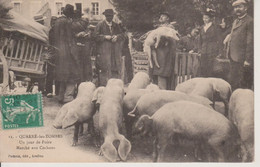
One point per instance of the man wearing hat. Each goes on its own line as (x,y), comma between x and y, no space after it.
(110,39)
(241,48)
(67,69)
(165,55)
(81,45)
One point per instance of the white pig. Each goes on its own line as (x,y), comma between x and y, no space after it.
(140,81)
(110,121)
(219,88)
(149,103)
(129,102)
(192,121)
(241,113)
(78,111)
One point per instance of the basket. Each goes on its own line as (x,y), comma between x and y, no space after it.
(140,62)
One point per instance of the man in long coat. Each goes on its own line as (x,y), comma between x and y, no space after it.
(67,69)
(110,39)
(81,45)
(165,52)
(241,48)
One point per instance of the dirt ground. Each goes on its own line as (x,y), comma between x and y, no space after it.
(141,147)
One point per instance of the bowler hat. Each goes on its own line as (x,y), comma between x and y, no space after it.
(68,10)
(165,13)
(108,12)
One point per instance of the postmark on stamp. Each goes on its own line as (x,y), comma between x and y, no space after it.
(21,111)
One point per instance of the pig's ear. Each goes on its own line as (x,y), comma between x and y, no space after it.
(97,94)
(69,120)
(109,151)
(124,148)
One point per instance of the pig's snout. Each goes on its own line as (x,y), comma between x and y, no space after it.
(143,125)
(57,126)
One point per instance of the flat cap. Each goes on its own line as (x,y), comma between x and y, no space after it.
(238,2)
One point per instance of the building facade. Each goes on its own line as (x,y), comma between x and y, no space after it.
(92,9)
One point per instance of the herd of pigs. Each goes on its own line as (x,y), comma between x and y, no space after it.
(186,114)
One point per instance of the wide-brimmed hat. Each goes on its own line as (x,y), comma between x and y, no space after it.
(108,12)
(238,2)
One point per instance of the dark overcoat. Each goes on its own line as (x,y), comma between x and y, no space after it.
(67,68)
(241,44)
(109,54)
(240,50)
(81,49)
(209,48)
(165,52)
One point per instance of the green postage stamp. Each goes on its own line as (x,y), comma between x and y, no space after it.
(21,111)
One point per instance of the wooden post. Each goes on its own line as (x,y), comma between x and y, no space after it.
(123,68)
(5,72)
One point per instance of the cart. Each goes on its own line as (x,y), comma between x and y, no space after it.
(22,44)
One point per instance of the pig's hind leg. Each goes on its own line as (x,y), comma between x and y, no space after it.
(163,141)
(218,146)
(76,134)
(155,149)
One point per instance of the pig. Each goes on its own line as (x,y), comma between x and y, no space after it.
(78,111)
(153,39)
(191,121)
(129,102)
(110,121)
(205,89)
(241,113)
(149,103)
(219,91)
(140,81)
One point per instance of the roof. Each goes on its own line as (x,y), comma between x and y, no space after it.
(16,23)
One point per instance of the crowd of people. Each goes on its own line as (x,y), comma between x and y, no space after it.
(74,41)
(226,49)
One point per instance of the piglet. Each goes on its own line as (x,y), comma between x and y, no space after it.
(153,39)
(110,121)
(78,111)
(241,113)
(195,122)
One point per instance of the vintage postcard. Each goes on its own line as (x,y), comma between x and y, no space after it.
(128,81)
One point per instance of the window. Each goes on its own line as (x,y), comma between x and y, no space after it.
(17,7)
(78,6)
(59,8)
(95,8)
